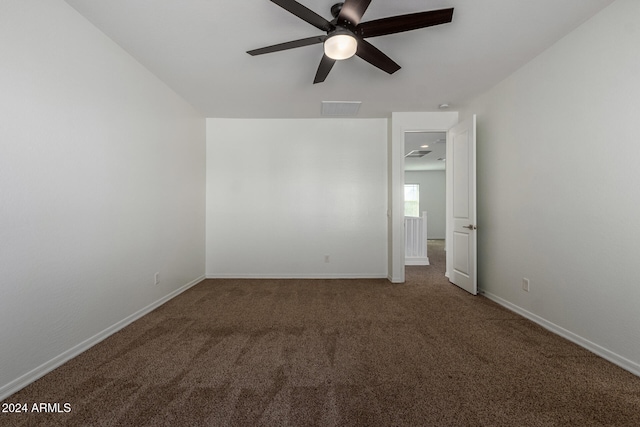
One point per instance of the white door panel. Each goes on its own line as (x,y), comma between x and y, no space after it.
(461,206)
(460,246)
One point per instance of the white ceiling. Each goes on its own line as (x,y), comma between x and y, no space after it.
(435,142)
(198,48)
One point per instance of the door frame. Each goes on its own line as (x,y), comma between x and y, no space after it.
(401,123)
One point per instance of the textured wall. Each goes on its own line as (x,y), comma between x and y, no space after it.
(557,185)
(102,179)
(283,194)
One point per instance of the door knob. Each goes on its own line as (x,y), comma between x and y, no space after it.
(470,227)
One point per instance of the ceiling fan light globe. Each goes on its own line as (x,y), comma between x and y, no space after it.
(340,46)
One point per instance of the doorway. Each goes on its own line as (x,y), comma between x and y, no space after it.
(401,123)
(461,142)
(424,166)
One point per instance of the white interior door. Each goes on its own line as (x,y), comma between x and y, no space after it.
(461,206)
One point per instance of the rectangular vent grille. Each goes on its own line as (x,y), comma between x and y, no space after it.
(340,108)
(417,153)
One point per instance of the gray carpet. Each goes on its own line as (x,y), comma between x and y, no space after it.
(335,352)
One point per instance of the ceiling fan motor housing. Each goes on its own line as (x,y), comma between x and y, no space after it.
(335,9)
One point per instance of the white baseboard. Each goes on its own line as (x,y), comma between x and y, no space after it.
(393,279)
(295,276)
(31,376)
(612,357)
(417,261)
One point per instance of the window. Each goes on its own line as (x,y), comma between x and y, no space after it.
(412,200)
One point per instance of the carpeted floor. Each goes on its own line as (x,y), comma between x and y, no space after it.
(335,352)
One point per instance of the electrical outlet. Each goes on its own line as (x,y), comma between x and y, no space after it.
(525,284)
(156,279)
(326,259)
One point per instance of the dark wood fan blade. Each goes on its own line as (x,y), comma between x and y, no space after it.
(326,64)
(375,57)
(352,11)
(400,23)
(288,45)
(305,14)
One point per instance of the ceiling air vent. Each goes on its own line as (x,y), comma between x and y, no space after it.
(340,108)
(417,153)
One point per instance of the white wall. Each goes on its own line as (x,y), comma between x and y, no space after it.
(282,194)
(432,199)
(102,180)
(558,192)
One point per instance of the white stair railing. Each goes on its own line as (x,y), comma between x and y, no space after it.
(415,240)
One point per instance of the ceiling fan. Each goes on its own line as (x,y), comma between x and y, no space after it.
(346,34)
